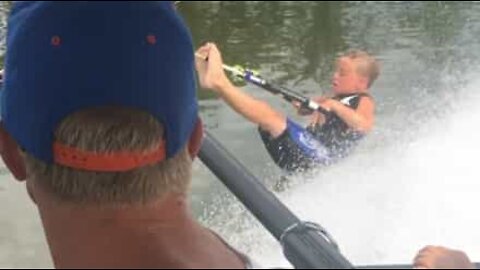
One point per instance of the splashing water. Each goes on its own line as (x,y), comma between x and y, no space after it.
(383,206)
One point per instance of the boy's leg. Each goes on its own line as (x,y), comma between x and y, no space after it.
(295,149)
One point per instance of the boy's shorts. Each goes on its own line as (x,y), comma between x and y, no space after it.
(296,148)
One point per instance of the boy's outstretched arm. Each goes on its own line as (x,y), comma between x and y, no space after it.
(212,76)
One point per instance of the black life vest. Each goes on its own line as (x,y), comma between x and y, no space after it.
(335,134)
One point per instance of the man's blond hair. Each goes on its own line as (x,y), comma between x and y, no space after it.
(366,64)
(104,130)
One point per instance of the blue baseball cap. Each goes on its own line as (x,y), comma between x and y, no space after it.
(66,56)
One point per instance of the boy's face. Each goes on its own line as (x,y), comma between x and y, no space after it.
(346,78)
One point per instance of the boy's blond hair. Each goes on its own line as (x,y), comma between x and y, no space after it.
(366,64)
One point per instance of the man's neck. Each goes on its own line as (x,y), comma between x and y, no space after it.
(155,234)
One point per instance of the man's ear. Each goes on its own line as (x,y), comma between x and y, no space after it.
(11,155)
(196,139)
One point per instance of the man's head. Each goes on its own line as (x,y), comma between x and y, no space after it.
(355,71)
(101,99)
(111,130)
